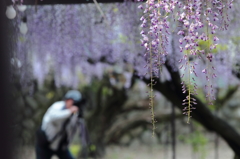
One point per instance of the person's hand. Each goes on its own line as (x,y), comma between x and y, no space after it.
(73,109)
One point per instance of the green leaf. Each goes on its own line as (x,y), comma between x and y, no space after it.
(115,10)
(74,149)
(92,148)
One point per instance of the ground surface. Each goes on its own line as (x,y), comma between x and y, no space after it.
(155,152)
(160,152)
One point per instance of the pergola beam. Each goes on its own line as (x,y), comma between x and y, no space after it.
(52,2)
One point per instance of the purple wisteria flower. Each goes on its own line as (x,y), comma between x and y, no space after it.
(197,21)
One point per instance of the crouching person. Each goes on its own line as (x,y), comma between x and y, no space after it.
(58,127)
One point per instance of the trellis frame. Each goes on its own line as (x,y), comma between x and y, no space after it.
(54,2)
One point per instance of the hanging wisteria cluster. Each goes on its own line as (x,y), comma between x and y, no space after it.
(69,39)
(194,21)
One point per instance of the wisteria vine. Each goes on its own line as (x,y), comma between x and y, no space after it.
(196,20)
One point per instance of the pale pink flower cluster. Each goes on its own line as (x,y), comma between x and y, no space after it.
(155,32)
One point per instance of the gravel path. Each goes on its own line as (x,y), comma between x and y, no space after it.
(153,152)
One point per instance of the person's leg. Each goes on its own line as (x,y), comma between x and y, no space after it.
(41,146)
(43,152)
(64,154)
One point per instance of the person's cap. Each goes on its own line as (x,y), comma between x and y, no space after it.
(75,95)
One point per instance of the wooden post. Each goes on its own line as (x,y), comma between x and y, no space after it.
(6,134)
(173,132)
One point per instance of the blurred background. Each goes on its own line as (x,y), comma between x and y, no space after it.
(96,49)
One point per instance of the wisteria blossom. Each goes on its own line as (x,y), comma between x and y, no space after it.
(196,21)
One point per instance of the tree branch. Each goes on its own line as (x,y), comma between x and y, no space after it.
(220,102)
(135,108)
(124,125)
(172,91)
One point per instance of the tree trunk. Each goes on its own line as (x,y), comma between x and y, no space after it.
(172,90)
(102,117)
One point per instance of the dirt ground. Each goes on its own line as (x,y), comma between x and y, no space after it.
(154,152)
(160,152)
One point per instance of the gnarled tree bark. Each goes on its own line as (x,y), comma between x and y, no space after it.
(172,90)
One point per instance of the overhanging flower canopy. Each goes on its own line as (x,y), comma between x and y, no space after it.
(183,34)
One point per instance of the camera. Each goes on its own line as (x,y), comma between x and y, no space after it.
(80,106)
